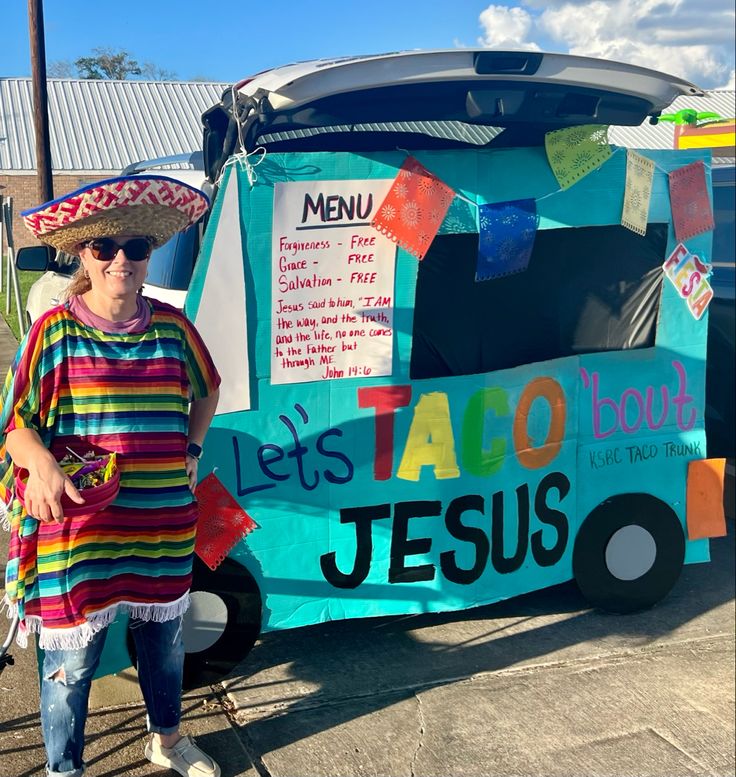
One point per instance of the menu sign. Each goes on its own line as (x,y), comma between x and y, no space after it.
(332,282)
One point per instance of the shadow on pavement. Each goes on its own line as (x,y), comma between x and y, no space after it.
(347,670)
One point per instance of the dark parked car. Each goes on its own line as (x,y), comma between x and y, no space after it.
(720,422)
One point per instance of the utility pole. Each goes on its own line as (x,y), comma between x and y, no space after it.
(40,100)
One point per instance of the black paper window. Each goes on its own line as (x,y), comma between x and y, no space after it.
(586,289)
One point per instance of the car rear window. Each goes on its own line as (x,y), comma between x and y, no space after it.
(171,265)
(724,214)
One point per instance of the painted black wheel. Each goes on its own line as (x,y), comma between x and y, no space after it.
(628,553)
(221,625)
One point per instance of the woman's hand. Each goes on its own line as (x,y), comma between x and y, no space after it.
(44,489)
(191,465)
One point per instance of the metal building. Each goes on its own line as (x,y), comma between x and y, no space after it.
(97,127)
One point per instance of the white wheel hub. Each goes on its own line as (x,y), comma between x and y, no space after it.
(204,621)
(630,553)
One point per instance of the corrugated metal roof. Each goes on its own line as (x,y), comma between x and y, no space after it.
(662,135)
(98,125)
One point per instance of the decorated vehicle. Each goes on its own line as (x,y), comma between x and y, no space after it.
(462,341)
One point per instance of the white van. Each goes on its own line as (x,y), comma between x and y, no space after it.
(170,266)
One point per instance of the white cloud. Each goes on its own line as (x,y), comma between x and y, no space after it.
(731,83)
(506,28)
(692,39)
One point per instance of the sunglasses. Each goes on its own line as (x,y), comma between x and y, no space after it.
(105,249)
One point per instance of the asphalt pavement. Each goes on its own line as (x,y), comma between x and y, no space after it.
(540,685)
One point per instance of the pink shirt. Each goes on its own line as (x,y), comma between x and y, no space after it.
(137,323)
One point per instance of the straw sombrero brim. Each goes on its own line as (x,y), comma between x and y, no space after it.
(155,206)
(158,222)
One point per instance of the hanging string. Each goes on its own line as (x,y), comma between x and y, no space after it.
(244,162)
(247,161)
(457,194)
(243,159)
(615,150)
(538,199)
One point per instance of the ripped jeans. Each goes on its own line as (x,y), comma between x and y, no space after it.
(67,677)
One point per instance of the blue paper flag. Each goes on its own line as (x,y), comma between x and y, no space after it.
(506,238)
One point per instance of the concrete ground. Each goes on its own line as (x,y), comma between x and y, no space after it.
(539,685)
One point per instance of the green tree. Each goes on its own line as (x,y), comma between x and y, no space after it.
(107,63)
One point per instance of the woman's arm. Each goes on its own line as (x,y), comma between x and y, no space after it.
(201,413)
(46,481)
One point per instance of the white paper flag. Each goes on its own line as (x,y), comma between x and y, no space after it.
(639,176)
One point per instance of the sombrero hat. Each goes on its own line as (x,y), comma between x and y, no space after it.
(151,205)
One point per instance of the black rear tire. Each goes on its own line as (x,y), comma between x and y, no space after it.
(628,553)
(235,587)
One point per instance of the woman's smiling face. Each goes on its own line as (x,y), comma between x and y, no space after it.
(119,277)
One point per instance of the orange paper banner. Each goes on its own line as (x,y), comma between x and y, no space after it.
(414,208)
(705,514)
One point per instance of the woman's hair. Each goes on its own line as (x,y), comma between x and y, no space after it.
(79,284)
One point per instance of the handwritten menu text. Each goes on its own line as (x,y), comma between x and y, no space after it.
(332,282)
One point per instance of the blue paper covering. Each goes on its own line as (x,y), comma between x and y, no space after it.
(506,238)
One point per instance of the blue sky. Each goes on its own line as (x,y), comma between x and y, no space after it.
(693,39)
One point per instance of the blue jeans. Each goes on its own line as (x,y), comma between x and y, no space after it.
(67,677)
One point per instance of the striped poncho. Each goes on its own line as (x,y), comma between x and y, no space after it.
(126,392)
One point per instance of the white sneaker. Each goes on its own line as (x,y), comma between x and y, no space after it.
(184,757)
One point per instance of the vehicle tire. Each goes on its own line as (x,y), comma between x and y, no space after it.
(221,625)
(628,553)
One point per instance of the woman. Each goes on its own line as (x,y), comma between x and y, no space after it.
(109,370)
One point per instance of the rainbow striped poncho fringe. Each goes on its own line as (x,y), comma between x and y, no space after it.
(125,392)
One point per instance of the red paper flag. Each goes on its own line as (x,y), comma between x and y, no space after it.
(691,211)
(221,521)
(414,208)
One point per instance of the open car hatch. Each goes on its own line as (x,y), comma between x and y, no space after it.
(530,92)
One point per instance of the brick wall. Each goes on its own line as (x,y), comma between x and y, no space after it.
(24,191)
